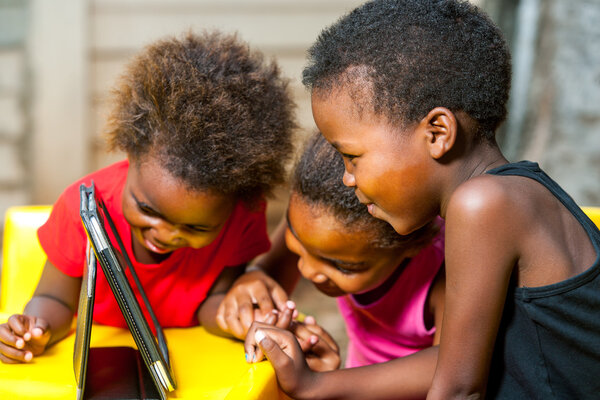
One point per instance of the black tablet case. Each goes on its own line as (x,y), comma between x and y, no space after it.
(115,372)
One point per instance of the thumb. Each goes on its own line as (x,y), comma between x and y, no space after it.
(39,328)
(271,349)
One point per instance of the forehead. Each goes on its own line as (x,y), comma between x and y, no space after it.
(155,186)
(321,233)
(347,127)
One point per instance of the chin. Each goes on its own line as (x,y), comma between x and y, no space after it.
(329,290)
(399,227)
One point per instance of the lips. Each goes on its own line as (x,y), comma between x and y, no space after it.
(158,248)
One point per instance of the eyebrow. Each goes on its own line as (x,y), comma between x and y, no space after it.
(331,260)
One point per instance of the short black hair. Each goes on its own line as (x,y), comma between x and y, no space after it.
(413,56)
(317,180)
(218,116)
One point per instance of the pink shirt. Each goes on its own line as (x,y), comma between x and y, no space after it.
(393,326)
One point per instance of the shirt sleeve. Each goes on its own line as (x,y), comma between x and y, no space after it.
(62,237)
(253,238)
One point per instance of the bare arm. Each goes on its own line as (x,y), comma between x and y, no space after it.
(408,377)
(47,317)
(279,263)
(480,256)
(207,313)
(55,300)
(403,378)
(264,287)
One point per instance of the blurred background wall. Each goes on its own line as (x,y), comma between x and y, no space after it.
(59,59)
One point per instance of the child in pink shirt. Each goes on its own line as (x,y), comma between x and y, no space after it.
(389,287)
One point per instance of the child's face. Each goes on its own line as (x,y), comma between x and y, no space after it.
(336,260)
(164,215)
(390,170)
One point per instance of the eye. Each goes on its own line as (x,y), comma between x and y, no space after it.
(348,269)
(344,270)
(198,229)
(147,210)
(349,157)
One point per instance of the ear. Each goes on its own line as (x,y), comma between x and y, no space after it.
(441,128)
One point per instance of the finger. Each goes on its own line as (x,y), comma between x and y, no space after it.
(10,355)
(19,324)
(245,310)
(271,318)
(321,333)
(286,316)
(252,350)
(9,338)
(234,324)
(279,297)
(271,349)
(220,318)
(40,329)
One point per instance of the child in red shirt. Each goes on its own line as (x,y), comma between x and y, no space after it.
(203,149)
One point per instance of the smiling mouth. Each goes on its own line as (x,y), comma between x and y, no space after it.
(157,247)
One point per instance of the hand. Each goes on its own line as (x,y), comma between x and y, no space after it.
(321,351)
(22,337)
(252,297)
(283,351)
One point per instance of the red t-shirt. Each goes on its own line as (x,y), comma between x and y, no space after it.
(175,287)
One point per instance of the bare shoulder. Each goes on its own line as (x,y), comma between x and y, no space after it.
(493,211)
(490,198)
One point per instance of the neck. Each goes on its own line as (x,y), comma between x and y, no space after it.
(373,295)
(481,158)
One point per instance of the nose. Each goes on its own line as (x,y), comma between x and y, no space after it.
(309,271)
(170,234)
(348,178)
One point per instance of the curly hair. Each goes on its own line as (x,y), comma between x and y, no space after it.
(317,179)
(413,56)
(216,115)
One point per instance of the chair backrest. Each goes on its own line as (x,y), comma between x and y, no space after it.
(22,256)
(23,259)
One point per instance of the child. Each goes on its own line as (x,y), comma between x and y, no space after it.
(207,128)
(389,287)
(411,93)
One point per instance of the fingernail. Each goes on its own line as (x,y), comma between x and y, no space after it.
(259,336)
(313,339)
(247,357)
(275,312)
(295,314)
(20,343)
(28,356)
(309,319)
(27,336)
(290,304)
(37,332)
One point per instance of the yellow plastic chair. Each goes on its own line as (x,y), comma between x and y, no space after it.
(22,257)
(593,213)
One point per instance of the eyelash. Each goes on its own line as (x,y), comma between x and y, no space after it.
(146,210)
(344,270)
(199,230)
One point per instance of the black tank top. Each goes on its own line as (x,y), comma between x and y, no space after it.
(548,345)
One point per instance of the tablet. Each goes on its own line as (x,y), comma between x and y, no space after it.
(151,349)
